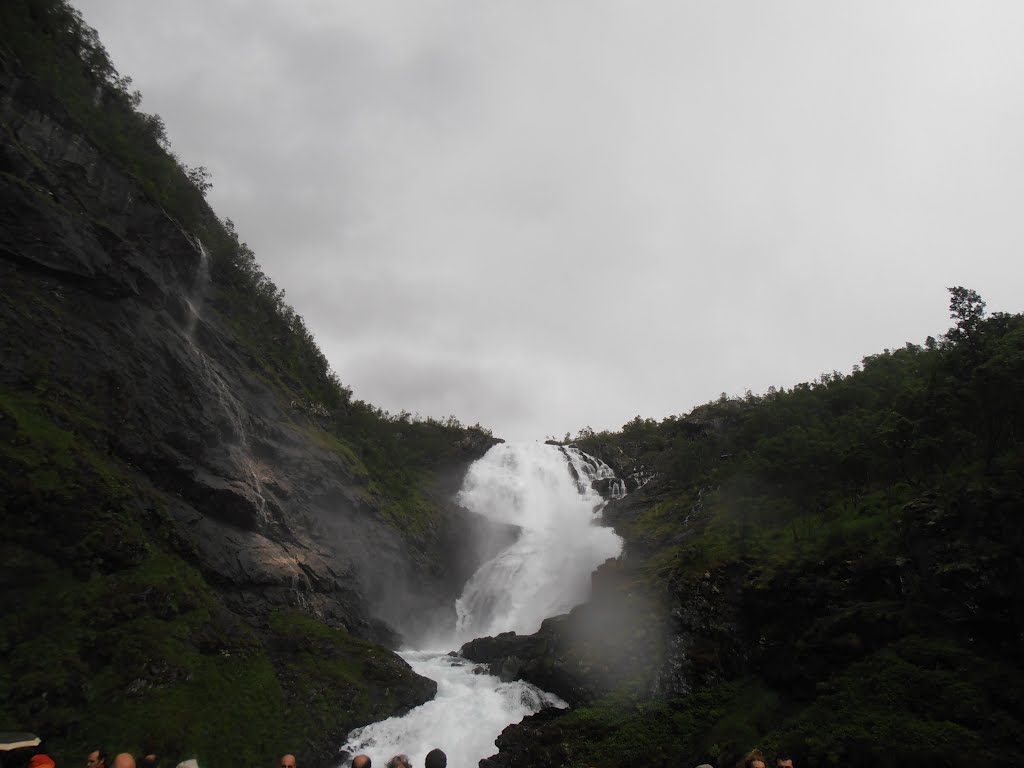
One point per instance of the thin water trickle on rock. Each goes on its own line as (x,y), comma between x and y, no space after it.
(194,298)
(548,492)
(233,427)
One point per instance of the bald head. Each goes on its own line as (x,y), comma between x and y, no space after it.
(361,761)
(124,760)
(288,761)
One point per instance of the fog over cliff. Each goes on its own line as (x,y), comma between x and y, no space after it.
(506,212)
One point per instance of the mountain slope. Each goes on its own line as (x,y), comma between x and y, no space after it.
(205,535)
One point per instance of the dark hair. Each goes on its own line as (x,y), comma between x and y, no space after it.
(101,754)
(783,756)
(435,759)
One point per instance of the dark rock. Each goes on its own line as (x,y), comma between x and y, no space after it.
(530,742)
(598,647)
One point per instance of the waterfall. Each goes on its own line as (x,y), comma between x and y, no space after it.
(549,492)
(231,414)
(547,571)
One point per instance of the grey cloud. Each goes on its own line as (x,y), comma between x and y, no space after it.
(541,216)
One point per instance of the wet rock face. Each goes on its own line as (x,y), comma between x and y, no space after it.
(99,310)
(108,304)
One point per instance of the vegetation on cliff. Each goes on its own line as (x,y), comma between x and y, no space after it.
(838,566)
(111,634)
(50,42)
(115,631)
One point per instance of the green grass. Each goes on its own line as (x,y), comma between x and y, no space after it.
(141,659)
(110,636)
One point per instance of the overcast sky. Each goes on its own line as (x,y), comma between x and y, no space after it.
(547,215)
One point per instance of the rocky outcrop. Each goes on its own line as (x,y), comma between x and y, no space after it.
(613,640)
(533,741)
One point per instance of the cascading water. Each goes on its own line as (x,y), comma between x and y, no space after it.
(546,491)
(547,571)
(229,410)
(591,471)
(194,299)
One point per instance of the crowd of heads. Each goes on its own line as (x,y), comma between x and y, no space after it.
(756,759)
(435,759)
(38,757)
(98,758)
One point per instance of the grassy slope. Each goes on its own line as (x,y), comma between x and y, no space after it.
(111,634)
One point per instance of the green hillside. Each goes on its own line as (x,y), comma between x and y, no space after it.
(842,562)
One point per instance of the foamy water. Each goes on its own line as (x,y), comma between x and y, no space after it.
(465,717)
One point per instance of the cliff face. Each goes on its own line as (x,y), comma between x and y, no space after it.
(149,456)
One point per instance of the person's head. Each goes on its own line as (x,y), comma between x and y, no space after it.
(361,761)
(399,761)
(287,761)
(96,759)
(435,759)
(783,761)
(149,761)
(124,760)
(755,759)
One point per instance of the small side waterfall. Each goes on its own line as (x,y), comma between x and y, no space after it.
(593,473)
(194,298)
(231,424)
(550,493)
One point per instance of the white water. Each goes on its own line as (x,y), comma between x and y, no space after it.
(465,717)
(592,468)
(194,299)
(545,573)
